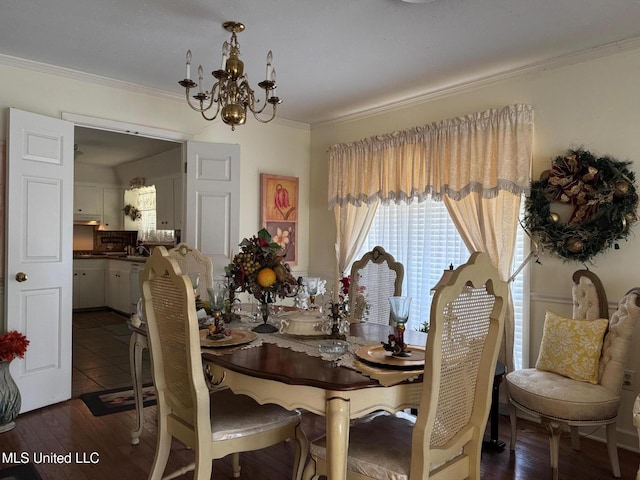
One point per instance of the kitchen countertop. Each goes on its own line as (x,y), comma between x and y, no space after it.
(110,256)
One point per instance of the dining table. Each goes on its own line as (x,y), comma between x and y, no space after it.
(289,371)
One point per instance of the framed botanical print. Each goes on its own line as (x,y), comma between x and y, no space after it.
(279,202)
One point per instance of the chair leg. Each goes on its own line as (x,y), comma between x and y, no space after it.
(612,447)
(513,416)
(310,471)
(235,464)
(555,429)
(204,465)
(575,438)
(163,447)
(301,452)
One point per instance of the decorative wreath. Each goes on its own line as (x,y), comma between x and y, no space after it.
(132,212)
(603,195)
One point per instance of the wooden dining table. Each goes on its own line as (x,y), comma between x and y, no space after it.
(291,379)
(295,380)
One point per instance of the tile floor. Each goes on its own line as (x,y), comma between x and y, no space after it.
(101,352)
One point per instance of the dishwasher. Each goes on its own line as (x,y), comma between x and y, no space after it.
(134,286)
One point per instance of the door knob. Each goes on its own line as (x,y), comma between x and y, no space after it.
(21,277)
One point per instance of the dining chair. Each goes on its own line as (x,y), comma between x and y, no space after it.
(192,261)
(214,423)
(444,441)
(374,278)
(577,379)
(636,423)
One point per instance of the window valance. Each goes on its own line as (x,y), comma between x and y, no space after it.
(483,152)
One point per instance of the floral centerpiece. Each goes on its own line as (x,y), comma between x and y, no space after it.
(12,344)
(259,269)
(359,308)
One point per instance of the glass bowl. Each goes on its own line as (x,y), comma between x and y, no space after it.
(332,350)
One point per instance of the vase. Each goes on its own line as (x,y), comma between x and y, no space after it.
(264,310)
(10,400)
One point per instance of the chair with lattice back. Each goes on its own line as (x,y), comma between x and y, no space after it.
(192,261)
(444,441)
(374,278)
(213,424)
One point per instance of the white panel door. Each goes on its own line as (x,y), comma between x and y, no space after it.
(212,212)
(39,225)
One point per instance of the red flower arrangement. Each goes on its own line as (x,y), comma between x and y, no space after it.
(360,305)
(12,344)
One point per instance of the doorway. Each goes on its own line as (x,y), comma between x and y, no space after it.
(100,337)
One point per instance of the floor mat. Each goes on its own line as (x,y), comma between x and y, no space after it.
(116,400)
(20,472)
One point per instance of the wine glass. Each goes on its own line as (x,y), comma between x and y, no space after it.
(400,307)
(195,282)
(217,295)
(312,285)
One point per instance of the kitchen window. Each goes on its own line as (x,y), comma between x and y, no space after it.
(144,199)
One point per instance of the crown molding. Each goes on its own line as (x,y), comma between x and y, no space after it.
(466,86)
(85,77)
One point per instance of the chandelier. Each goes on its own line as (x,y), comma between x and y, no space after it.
(231,92)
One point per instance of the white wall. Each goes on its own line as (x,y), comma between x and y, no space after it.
(95,174)
(160,165)
(594,104)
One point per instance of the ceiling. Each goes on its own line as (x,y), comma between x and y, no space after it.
(333,57)
(109,149)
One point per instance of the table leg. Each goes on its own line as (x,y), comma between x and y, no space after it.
(494,444)
(137,344)
(337,419)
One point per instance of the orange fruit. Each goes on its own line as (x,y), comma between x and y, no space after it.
(266,277)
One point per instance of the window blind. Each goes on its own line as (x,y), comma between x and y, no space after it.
(424,239)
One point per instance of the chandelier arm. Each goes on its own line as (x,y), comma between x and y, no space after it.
(201,108)
(213,99)
(273,115)
(196,108)
(254,102)
(264,105)
(214,116)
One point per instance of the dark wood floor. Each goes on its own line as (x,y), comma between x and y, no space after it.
(69,427)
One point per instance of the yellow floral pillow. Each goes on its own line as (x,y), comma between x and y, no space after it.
(572,347)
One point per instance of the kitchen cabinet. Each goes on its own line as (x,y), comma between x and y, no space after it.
(113,203)
(88,283)
(118,286)
(87,200)
(168,202)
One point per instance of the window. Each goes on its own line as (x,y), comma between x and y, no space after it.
(424,239)
(144,198)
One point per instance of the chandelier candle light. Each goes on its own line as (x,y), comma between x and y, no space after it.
(231,93)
